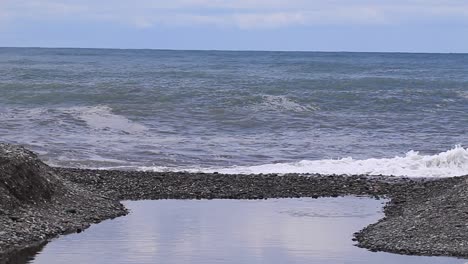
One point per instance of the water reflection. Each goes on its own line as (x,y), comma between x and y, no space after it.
(230,231)
(22,256)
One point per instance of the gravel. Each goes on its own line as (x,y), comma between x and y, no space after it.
(432,220)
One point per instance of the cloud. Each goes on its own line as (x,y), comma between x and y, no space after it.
(41,9)
(269,20)
(244,14)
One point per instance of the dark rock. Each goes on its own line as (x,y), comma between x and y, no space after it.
(15,218)
(42,202)
(24,178)
(70,211)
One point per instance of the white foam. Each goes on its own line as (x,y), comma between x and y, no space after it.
(453,162)
(96,117)
(101,117)
(282,103)
(463,94)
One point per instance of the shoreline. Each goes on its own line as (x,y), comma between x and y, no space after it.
(413,224)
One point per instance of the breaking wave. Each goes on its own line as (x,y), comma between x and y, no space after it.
(102,117)
(283,103)
(453,162)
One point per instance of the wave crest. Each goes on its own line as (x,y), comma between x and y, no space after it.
(101,117)
(283,103)
(453,162)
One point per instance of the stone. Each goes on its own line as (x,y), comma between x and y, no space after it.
(24,178)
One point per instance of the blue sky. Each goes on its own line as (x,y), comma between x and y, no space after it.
(333,25)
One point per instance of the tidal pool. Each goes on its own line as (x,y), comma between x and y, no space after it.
(230,231)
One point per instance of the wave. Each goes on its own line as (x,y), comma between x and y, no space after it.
(282,103)
(453,162)
(463,94)
(101,117)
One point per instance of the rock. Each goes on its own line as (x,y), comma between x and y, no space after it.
(70,211)
(24,178)
(15,218)
(36,203)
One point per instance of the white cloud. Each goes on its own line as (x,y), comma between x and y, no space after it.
(270,20)
(243,14)
(42,9)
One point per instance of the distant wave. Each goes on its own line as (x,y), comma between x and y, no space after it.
(282,103)
(463,94)
(453,162)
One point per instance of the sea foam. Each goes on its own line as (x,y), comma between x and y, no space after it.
(283,104)
(453,162)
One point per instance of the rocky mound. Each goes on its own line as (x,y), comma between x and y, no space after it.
(24,178)
(37,204)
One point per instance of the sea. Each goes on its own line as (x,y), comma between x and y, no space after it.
(400,114)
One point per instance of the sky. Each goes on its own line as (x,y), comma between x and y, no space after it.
(302,25)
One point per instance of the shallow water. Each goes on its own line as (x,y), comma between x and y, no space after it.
(230,231)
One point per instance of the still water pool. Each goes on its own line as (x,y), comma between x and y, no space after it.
(230,231)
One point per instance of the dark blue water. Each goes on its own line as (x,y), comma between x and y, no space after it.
(234,111)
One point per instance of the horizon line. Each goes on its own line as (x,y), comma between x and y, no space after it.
(234,50)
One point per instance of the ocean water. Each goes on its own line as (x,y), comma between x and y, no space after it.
(230,231)
(238,112)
